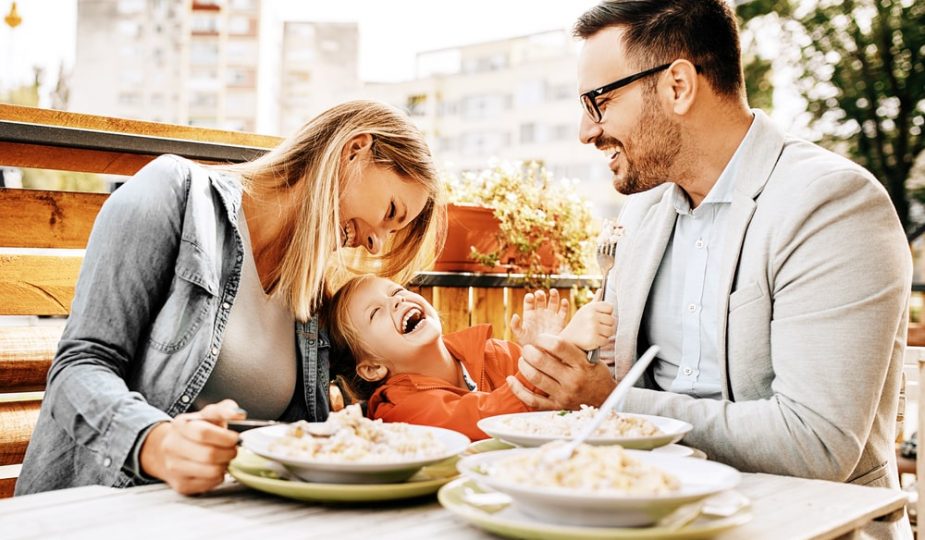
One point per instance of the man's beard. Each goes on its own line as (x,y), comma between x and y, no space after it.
(653,148)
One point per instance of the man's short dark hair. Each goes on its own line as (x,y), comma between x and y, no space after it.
(660,31)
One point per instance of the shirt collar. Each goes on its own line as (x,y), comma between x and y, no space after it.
(721,192)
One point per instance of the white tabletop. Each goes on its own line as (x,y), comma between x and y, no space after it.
(783,507)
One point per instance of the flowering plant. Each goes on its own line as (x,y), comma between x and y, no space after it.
(545,226)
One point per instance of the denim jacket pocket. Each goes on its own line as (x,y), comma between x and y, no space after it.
(189,301)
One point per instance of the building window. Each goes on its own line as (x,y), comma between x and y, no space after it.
(205,24)
(130,99)
(241,25)
(527,133)
(204,53)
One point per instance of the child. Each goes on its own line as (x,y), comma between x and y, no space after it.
(410,372)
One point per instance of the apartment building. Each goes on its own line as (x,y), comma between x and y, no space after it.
(317,69)
(513,99)
(180,61)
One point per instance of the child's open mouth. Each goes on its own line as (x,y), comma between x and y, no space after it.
(412,320)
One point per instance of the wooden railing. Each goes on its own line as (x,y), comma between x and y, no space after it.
(40,281)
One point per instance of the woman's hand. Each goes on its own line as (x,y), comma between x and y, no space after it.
(540,316)
(192,452)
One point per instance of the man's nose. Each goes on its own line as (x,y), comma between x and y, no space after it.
(588,131)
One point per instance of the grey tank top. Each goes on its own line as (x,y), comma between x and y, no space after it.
(257,365)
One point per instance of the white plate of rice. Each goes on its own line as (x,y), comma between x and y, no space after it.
(598,486)
(636,431)
(355,449)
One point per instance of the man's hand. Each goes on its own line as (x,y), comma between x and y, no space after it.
(192,452)
(540,316)
(562,370)
(593,326)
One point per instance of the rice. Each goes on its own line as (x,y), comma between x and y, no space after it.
(357,439)
(590,469)
(570,423)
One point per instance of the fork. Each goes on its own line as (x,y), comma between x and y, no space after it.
(605,259)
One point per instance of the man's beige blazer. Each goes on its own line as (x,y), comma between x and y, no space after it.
(815,281)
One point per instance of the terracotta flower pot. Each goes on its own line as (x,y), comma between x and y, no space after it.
(468,226)
(471,226)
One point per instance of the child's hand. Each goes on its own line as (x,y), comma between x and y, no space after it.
(592,326)
(540,316)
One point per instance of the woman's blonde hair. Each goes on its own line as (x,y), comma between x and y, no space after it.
(311,165)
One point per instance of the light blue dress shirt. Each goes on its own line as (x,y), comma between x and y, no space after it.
(681,314)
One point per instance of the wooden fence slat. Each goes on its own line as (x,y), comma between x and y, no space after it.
(514,303)
(26,353)
(47,219)
(427,293)
(488,307)
(19,418)
(37,284)
(71,159)
(49,117)
(7,486)
(452,303)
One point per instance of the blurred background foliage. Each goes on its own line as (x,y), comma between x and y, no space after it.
(861,73)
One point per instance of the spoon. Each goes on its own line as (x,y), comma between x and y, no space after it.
(322,429)
(616,397)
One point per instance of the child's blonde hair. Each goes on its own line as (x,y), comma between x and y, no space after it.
(347,344)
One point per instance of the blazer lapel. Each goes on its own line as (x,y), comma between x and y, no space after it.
(756,165)
(643,257)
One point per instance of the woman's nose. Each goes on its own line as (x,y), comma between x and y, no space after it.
(373,243)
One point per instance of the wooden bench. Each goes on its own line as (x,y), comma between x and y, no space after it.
(42,234)
(37,278)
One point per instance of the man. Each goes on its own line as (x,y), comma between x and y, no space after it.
(773,274)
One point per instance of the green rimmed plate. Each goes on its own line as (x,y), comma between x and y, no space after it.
(263,475)
(500,518)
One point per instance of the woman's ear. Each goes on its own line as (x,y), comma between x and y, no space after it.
(371,371)
(358,146)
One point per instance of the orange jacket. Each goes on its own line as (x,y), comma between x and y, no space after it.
(419,399)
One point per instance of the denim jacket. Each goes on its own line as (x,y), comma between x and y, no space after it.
(155,290)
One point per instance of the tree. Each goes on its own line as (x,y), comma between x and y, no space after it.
(863,78)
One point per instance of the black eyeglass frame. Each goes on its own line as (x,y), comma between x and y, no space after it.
(589,98)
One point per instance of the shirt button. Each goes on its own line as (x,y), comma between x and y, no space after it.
(688,371)
(226,305)
(107,462)
(214,351)
(699,244)
(311,342)
(184,398)
(691,308)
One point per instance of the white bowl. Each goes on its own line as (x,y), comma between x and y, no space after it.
(345,472)
(699,479)
(672,431)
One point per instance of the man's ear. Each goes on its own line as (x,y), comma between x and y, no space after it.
(358,146)
(683,86)
(371,371)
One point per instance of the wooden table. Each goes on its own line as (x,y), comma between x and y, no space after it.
(783,507)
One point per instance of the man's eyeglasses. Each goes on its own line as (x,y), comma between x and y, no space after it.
(589,99)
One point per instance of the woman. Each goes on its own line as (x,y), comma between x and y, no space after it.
(193,283)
